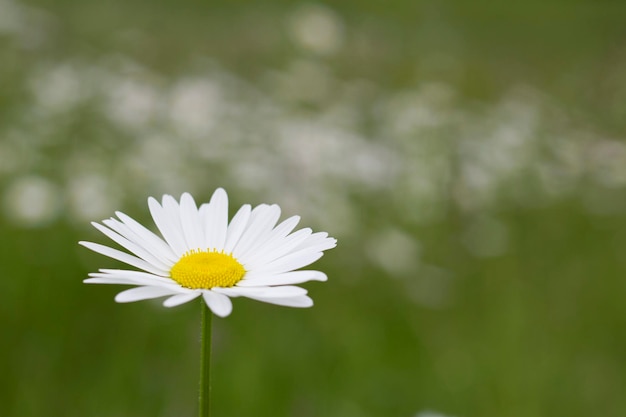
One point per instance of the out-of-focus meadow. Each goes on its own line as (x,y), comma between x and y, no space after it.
(469,157)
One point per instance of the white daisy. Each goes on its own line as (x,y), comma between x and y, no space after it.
(203,254)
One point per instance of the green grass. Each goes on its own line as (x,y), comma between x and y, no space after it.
(537,329)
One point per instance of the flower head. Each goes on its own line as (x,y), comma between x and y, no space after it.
(202,254)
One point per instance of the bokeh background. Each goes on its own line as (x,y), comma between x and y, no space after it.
(468,156)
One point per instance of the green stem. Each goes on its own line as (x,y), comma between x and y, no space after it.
(205,361)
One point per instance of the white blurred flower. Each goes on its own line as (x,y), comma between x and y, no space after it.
(607,161)
(132,104)
(316,28)
(395,251)
(32,201)
(58,88)
(91,197)
(11,16)
(194,106)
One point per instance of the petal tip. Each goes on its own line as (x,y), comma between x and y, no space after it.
(121,299)
(219,191)
(187,196)
(320,276)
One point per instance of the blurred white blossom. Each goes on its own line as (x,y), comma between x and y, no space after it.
(132,104)
(32,201)
(422,149)
(316,28)
(58,89)
(91,197)
(194,106)
(397,252)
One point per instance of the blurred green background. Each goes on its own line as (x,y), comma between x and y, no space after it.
(468,156)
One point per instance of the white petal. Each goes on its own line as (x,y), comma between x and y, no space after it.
(97,278)
(135,248)
(140,277)
(280,249)
(236,227)
(266,292)
(289,262)
(282,230)
(216,220)
(273,240)
(179,299)
(318,237)
(169,226)
(294,277)
(142,293)
(219,304)
(190,222)
(174,214)
(303,301)
(158,246)
(318,246)
(107,280)
(263,219)
(319,241)
(123,257)
(288,225)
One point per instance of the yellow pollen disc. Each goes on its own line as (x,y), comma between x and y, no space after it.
(205,270)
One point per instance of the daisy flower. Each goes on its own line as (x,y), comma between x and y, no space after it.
(203,254)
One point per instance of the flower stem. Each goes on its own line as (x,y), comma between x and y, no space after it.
(205,361)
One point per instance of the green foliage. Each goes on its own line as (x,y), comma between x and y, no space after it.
(444,293)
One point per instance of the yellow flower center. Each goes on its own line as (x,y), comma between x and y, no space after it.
(204,270)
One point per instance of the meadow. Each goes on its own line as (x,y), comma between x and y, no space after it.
(470,158)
